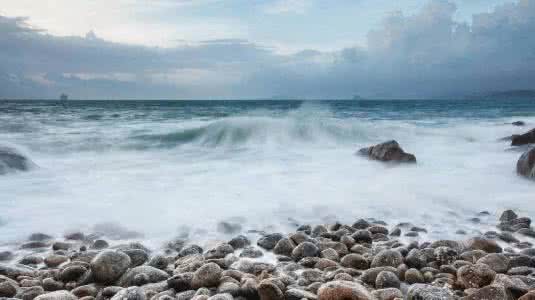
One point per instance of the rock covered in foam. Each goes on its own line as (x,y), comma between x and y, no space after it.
(13,160)
(526,164)
(388,151)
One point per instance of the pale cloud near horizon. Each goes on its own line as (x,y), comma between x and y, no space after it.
(427,52)
(287,6)
(125,21)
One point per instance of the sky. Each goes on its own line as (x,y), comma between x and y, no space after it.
(245,49)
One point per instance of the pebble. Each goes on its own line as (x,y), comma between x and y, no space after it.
(355,261)
(8,289)
(239,242)
(387,294)
(387,257)
(362,261)
(336,290)
(206,276)
(109,265)
(387,279)
(269,241)
(267,290)
(305,249)
(429,292)
(57,295)
(284,246)
(153,275)
(131,293)
(413,276)
(487,245)
(475,276)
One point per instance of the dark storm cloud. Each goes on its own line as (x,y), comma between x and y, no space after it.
(428,54)
(425,55)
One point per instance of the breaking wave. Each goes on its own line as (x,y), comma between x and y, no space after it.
(243,131)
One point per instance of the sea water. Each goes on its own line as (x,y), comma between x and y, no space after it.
(164,167)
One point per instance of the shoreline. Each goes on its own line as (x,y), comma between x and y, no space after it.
(369,259)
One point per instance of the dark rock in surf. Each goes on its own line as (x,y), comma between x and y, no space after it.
(508,216)
(6,255)
(518,123)
(228,227)
(239,242)
(526,164)
(39,237)
(523,139)
(13,160)
(388,151)
(269,241)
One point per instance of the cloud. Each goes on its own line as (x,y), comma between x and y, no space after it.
(425,54)
(75,64)
(287,6)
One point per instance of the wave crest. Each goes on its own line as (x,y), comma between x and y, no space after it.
(243,131)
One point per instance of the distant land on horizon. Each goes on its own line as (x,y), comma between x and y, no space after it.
(525,94)
(518,94)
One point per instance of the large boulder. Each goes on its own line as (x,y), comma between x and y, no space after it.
(523,139)
(526,164)
(13,160)
(388,151)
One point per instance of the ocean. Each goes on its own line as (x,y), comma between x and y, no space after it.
(162,168)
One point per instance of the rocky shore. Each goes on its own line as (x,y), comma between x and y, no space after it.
(368,259)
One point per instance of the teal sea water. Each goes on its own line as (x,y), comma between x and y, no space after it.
(158,167)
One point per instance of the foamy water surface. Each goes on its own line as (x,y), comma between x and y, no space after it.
(160,167)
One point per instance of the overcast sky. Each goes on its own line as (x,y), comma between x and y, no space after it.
(211,49)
